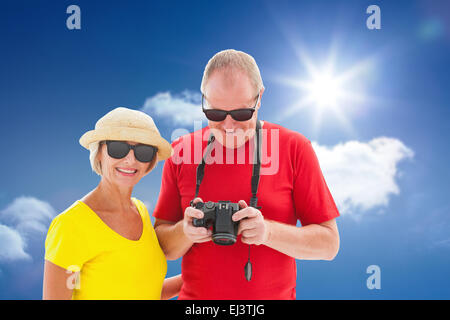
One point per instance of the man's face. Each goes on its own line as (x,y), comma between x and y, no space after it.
(228,91)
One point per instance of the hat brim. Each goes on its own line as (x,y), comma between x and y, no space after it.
(137,135)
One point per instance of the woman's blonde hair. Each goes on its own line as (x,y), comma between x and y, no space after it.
(231,59)
(96,164)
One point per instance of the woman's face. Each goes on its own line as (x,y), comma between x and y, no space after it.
(125,172)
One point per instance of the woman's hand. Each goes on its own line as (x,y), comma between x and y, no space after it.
(171,287)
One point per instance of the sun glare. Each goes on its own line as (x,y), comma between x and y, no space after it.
(326,92)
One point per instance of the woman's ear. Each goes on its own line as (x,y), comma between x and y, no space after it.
(99,157)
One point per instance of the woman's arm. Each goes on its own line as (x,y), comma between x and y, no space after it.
(56,280)
(171,287)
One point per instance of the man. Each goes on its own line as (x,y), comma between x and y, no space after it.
(267,237)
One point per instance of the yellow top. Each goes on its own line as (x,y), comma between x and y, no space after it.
(111,266)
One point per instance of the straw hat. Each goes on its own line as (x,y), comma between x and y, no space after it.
(124,124)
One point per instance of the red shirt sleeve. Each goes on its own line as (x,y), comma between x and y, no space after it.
(312,198)
(168,206)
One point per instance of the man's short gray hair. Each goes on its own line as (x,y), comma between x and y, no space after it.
(96,165)
(234,60)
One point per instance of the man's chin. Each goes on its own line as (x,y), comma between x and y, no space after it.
(232,142)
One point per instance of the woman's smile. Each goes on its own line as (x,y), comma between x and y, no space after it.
(129,172)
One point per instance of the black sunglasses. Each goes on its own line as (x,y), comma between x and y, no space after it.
(238,114)
(120,149)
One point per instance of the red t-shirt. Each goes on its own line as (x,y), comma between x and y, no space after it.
(291,187)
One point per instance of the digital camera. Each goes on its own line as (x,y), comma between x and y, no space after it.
(218,214)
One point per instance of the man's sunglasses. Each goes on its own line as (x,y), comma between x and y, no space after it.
(120,149)
(220,115)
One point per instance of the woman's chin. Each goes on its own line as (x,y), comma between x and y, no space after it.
(125,180)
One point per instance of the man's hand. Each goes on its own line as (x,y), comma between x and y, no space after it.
(252,226)
(195,234)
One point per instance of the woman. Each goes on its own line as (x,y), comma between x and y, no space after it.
(104,245)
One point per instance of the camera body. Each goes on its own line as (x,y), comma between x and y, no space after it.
(218,214)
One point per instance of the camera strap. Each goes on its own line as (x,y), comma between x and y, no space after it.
(256,166)
(248,269)
(201,167)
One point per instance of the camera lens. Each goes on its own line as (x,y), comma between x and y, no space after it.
(224,239)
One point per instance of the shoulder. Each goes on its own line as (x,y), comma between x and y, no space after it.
(286,136)
(143,211)
(293,146)
(67,226)
(70,218)
(67,242)
(140,205)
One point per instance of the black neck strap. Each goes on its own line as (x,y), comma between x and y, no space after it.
(256,166)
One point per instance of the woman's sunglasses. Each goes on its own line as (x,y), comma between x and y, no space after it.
(217,115)
(120,149)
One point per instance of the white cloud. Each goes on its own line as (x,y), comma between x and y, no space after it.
(362,176)
(12,245)
(181,109)
(19,221)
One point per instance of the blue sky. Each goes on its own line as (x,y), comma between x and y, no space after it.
(383,148)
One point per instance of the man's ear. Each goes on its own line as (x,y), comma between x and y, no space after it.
(260,97)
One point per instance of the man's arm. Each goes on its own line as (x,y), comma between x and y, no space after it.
(311,242)
(177,238)
(172,239)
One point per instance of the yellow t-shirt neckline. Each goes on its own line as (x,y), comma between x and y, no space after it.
(105,226)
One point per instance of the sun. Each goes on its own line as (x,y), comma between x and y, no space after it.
(326,92)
